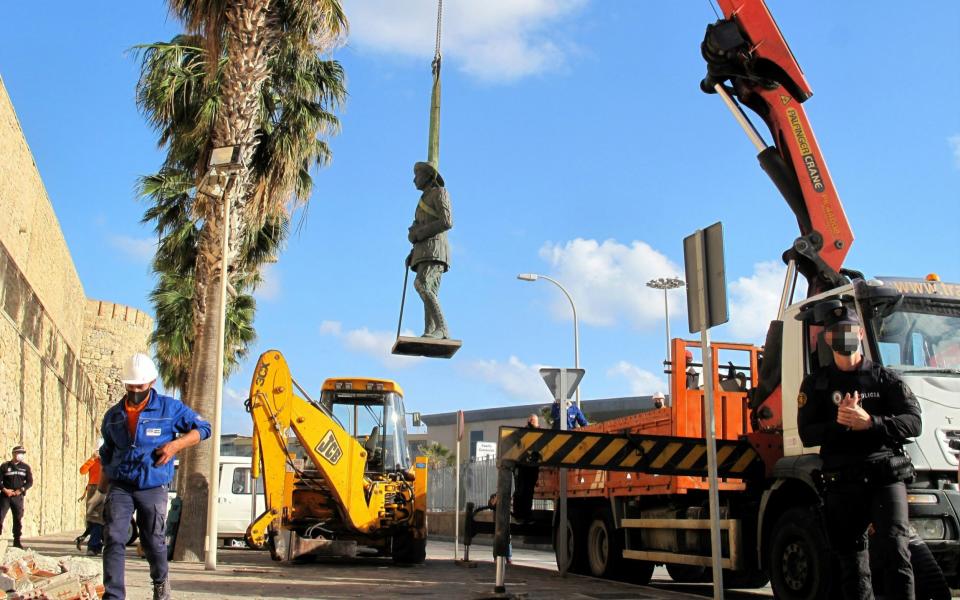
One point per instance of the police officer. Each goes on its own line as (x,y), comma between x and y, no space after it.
(16,478)
(139,446)
(860,414)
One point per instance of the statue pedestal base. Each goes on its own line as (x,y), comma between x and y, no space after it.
(429,347)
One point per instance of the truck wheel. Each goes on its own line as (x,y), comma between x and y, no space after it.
(576,542)
(689,573)
(604,546)
(799,557)
(409,550)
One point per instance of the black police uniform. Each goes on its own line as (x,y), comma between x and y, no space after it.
(18,477)
(863,471)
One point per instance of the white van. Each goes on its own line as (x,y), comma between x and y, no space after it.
(238,507)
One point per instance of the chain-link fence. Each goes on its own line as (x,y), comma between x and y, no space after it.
(478,480)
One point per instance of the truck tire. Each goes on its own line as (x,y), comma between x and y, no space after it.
(604,545)
(576,546)
(408,549)
(800,559)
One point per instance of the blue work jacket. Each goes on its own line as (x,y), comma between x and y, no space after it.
(131,461)
(574,416)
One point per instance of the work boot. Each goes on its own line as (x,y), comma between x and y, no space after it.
(79,541)
(161,591)
(17,544)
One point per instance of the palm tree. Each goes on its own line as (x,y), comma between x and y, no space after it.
(437,454)
(268,93)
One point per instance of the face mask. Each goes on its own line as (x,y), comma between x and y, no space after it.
(845,342)
(137,397)
(658,404)
(19,457)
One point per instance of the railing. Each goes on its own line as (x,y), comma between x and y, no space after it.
(478,481)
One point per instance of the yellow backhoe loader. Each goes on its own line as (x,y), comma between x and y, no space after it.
(356,485)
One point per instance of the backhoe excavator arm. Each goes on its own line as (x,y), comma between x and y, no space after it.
(747,50)
(275,409)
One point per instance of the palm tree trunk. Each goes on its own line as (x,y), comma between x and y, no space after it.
(247,44)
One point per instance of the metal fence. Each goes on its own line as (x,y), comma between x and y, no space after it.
(478,480)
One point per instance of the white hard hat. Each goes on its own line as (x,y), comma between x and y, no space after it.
(138,369)
(658,395)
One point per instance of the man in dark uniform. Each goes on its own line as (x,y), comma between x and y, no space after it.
(16,478)
(525,480)
(860,414)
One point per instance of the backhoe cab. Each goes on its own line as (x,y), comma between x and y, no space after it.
(356,486)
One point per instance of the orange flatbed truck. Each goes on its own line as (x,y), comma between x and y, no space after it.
(636,488)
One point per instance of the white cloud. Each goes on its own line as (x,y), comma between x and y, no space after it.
(608,281)
(376,344)
(642,383)
(135,249)
(516,379)
(234,396)
(754,300)
(269,287)
(954,142)
(492,40)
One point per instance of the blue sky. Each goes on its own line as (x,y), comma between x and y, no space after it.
(575,143)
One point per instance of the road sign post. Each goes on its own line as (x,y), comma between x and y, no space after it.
(456,486)
(706,308)
(562,383)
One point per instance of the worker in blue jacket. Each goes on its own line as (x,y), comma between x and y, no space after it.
(140,441)
(575,418)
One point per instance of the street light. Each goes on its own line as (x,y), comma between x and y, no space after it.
(576,330)
(667,283)
(223,163)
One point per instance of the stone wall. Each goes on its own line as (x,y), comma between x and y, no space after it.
(111,333)
(51,400)
(31,232)
(47,403)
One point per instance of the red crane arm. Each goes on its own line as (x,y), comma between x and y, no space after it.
(747,49)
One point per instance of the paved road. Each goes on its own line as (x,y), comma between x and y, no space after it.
(541,559)
(248,574)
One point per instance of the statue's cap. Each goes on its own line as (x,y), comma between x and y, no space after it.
(425,166)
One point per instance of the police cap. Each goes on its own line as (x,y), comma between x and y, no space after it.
(841,315)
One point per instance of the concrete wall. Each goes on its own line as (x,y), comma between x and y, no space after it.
(111,333)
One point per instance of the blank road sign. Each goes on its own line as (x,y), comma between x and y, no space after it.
(703,256)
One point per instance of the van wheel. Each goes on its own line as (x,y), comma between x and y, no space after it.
(576,542)
(604,545)
(800,560)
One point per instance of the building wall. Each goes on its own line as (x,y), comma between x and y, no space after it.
(111,333)
(51,397)
(447,434)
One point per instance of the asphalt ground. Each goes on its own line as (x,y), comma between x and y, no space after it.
(244,573)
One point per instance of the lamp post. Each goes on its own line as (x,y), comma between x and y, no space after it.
(576,329)
(665,284)
(224,161)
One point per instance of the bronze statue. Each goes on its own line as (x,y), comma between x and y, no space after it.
(430,257)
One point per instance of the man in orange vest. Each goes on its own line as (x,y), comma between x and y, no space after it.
(91,468)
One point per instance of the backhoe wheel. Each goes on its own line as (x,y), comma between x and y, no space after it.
(800,559)
(576,545)
(604,545)
(408,549)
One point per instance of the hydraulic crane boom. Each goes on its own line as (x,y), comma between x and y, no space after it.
(747,49)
